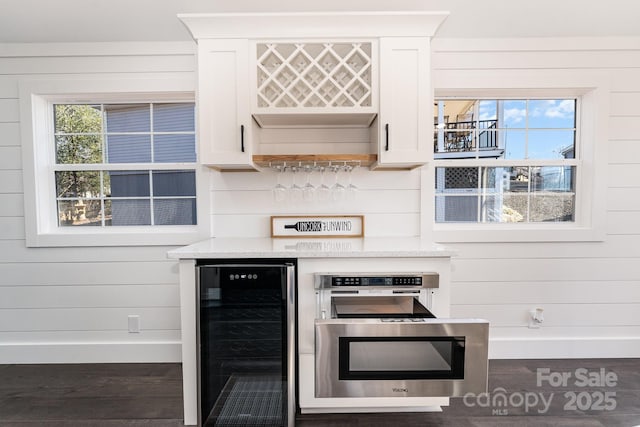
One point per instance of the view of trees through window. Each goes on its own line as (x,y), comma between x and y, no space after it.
(505,160)
(125,164)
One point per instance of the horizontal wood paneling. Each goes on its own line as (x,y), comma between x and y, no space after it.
(366,201)
(76,300)
(525,269)
(625,175)
(11,228)
(89,273)
(8,86)
(11,181)
(10,158)
(363,179)
(9,111)
(625,80)
(574,332)
(82,295)
(234,225)
(87,319)
(100,64)
(550,292)
(10,134)
(15,251)
(582,315)
(623,222)
(64,337)
(11,205)
(102,296)
(615,246)
(536,60)
(82,49)
(624,128)
(623,199)
(534,44)
(625,104)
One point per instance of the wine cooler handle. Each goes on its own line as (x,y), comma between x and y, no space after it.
(242,138)
(291,345)
(386,130)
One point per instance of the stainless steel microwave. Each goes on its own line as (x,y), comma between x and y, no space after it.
(376,337)
(413,358)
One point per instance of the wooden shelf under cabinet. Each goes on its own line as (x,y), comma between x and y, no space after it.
(266,160)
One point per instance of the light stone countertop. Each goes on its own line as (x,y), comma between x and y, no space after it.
(368,247)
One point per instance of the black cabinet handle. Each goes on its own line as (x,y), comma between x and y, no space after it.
(386,130)
(242,138)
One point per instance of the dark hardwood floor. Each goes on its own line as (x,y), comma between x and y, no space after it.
(109,395)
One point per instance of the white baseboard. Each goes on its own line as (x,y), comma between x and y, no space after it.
(564,348)
(170,352)
(97,352)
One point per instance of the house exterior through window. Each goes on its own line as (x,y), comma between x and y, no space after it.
(111,162)
(505,160)
(124,164)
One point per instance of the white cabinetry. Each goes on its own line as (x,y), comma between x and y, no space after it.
(405,97)
(315,83)
(224,117)
(285,84)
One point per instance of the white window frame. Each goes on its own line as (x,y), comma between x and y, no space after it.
(592,90)
(38,157)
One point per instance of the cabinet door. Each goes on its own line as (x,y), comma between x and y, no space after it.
(405,97)
(224,119)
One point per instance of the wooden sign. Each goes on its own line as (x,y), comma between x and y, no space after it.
(317,226)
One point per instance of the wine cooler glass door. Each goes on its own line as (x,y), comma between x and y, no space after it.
(244,345)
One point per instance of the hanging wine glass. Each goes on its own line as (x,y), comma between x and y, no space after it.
(323,191)
(352,189)
(338,190)
(280,191)
(308,191)
(295,189)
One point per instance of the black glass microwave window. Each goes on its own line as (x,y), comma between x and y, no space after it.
(401,358)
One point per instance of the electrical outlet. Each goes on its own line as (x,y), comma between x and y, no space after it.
(134,324)
(536,319)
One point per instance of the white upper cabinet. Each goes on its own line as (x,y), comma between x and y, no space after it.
(405,96)
(224,117)
(330,84)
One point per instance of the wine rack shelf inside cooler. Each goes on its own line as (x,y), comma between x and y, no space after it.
(314,75)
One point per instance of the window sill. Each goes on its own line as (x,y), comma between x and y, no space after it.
(490,233)
(130,236)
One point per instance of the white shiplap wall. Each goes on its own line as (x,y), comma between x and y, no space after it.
(71,304)
(590,291)
(242,202)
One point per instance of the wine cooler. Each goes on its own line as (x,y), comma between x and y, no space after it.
(246,333)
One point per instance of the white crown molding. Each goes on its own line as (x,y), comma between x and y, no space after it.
(313,24)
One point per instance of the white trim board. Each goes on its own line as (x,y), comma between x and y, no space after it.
(564,348)
(99,352)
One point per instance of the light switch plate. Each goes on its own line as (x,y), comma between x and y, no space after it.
(134,324)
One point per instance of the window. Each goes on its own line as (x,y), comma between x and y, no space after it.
(125,164)
(505,160)
(111,162)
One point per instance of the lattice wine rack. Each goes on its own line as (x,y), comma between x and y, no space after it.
(314,75)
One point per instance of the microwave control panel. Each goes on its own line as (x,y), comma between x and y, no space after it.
(417,280)
(376,281)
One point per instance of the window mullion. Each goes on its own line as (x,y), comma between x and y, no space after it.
(122,166)
(151,197)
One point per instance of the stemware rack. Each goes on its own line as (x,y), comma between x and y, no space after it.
(314,160)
